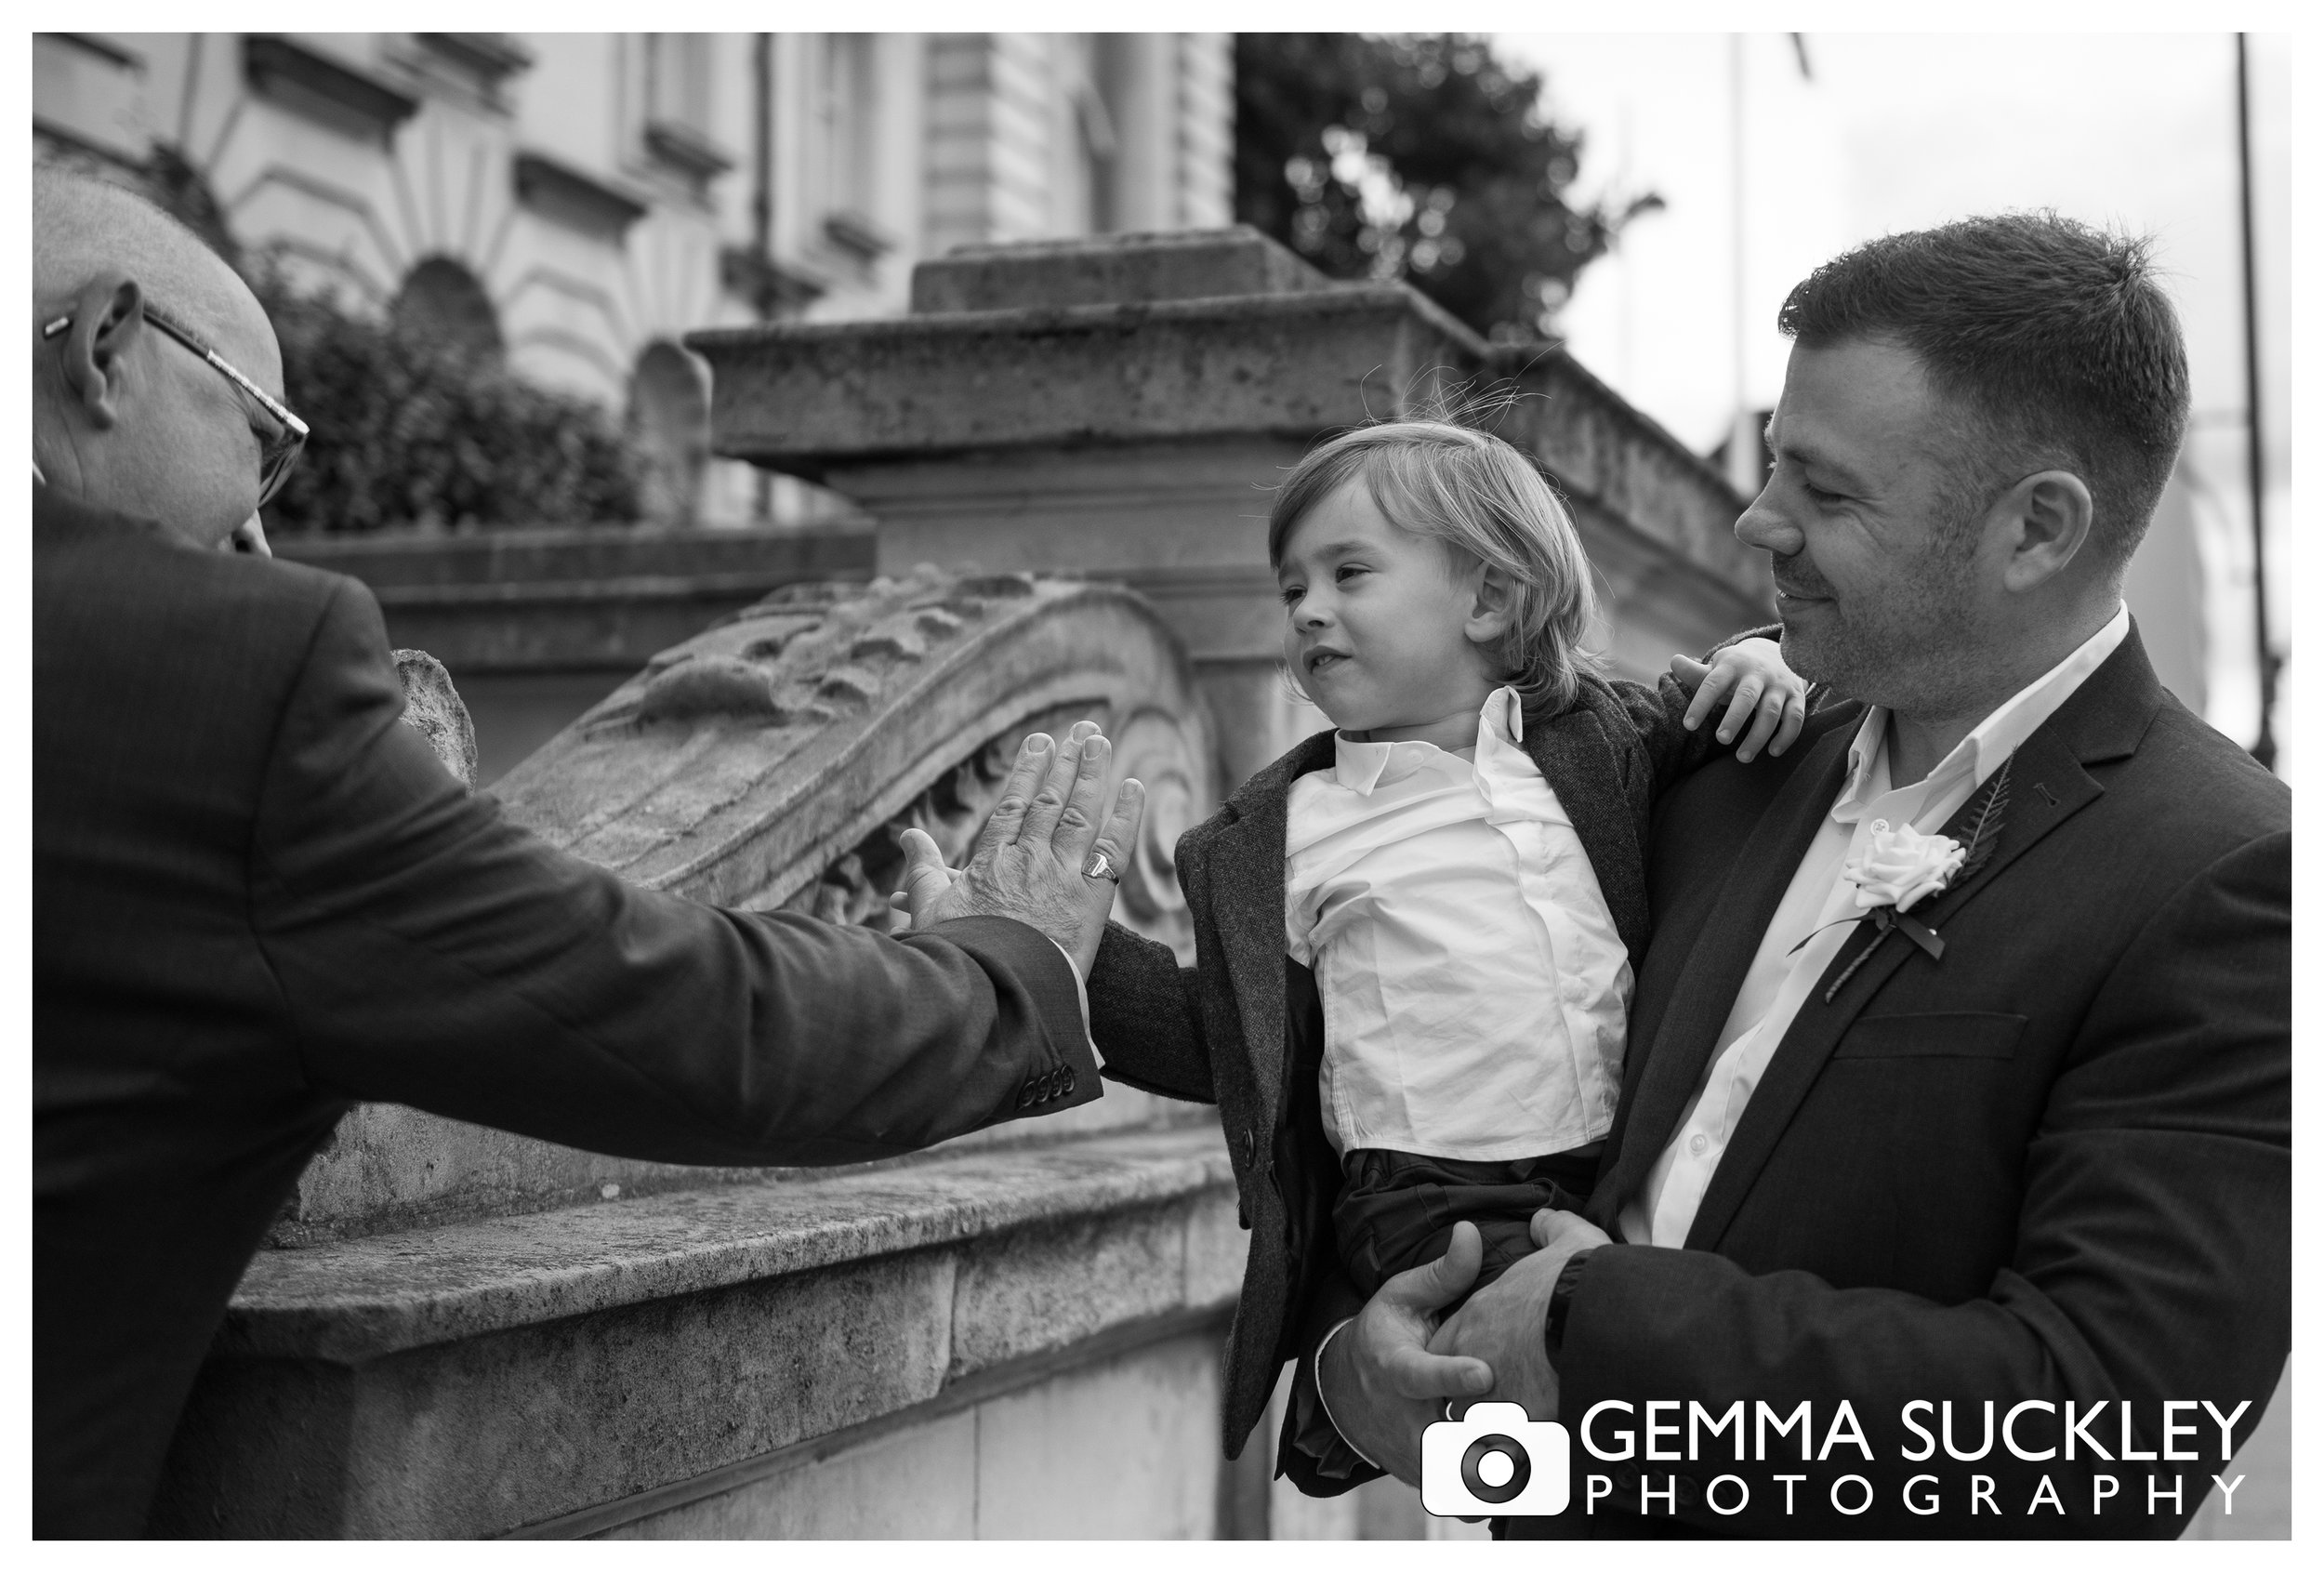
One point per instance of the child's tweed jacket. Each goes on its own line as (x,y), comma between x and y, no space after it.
(1243,1027)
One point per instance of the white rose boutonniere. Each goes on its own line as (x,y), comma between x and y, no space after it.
(1900,865)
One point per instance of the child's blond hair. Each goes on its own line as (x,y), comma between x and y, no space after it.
(1485,503)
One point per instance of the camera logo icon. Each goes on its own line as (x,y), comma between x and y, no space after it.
(1494,1461)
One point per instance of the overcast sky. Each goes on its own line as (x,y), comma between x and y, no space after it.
(1891,132)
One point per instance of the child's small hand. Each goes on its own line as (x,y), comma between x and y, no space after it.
(925,878)
(1766,694)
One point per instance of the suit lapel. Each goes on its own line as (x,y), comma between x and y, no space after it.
(1576,759)
(1731,936)
(2049,786)
(1246,864)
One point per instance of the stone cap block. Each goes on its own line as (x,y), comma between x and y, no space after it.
(813,397)
(353,1300)
(1112,269)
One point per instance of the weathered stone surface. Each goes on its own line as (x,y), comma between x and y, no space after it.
(1047,1287)
(357,1299)
(1629,478)
(485,1434)
(389,1167)
(475,1379)
(811,398)
(558,600)
(1177,265)
(822,742)
(432,709)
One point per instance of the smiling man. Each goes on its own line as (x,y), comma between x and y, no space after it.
(1960,1063)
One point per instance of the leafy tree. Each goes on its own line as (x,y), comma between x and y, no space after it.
(1419,157)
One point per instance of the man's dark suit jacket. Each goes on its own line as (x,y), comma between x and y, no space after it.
(2052,1164)
(1243,1027)
(257,897)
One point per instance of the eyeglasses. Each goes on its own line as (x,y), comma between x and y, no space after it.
(278,454)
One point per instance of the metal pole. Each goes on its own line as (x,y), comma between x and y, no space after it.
(2264,749)
(762,218)
(1742,439)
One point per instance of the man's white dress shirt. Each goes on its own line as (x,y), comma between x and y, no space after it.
(1476,991)
(1819,902)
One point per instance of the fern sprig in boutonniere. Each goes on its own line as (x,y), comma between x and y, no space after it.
(1900,867)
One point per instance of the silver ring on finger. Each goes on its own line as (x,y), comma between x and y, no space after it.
(1449,1409)
(1101,866)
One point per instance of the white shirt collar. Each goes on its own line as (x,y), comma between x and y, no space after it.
(1992,739)
(1361,766)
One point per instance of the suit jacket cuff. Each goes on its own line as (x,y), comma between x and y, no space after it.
(1041,968)
(1314,1456)
(1562,1302)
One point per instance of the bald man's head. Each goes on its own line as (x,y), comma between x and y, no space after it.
(124,416)
(82,226)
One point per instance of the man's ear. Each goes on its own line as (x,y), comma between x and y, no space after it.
(2049,515)
(108,321)
(1494,611)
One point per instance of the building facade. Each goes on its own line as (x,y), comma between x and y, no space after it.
(578,201)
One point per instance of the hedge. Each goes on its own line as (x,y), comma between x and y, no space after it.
(406,432)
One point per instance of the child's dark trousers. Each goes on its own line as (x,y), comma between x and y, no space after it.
(1397,1209)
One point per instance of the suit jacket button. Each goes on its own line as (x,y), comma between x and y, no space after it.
(1251,1149)
(1067,1082)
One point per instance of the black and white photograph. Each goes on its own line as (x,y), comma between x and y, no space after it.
(1057,787)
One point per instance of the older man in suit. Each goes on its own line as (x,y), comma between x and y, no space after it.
(257,896)
(1960,1064)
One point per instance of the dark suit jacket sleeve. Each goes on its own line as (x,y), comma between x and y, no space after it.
(2152,1262)
(1658,713)
(428,952)
(1143,1017)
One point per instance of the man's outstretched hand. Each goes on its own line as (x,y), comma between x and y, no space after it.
(1379,1382)
(1028,864)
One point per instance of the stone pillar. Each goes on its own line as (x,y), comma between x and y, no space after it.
(1173,100)
(988,138)
(1121,409)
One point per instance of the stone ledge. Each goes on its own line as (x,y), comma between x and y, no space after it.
(815,400)
(1338,300)
(354,1301)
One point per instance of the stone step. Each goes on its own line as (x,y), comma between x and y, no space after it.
(484,1377)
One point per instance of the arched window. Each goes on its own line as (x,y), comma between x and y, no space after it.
(443,304)
(669,416)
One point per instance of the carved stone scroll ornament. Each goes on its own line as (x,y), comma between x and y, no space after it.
(771,761)
(768,763)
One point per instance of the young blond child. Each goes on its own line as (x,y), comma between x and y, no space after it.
(1458,866)
(1475,984)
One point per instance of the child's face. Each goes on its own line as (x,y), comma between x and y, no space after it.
(1381,625)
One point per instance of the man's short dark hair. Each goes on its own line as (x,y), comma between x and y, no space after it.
(2052,339)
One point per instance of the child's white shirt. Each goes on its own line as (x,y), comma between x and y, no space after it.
(1476,991)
